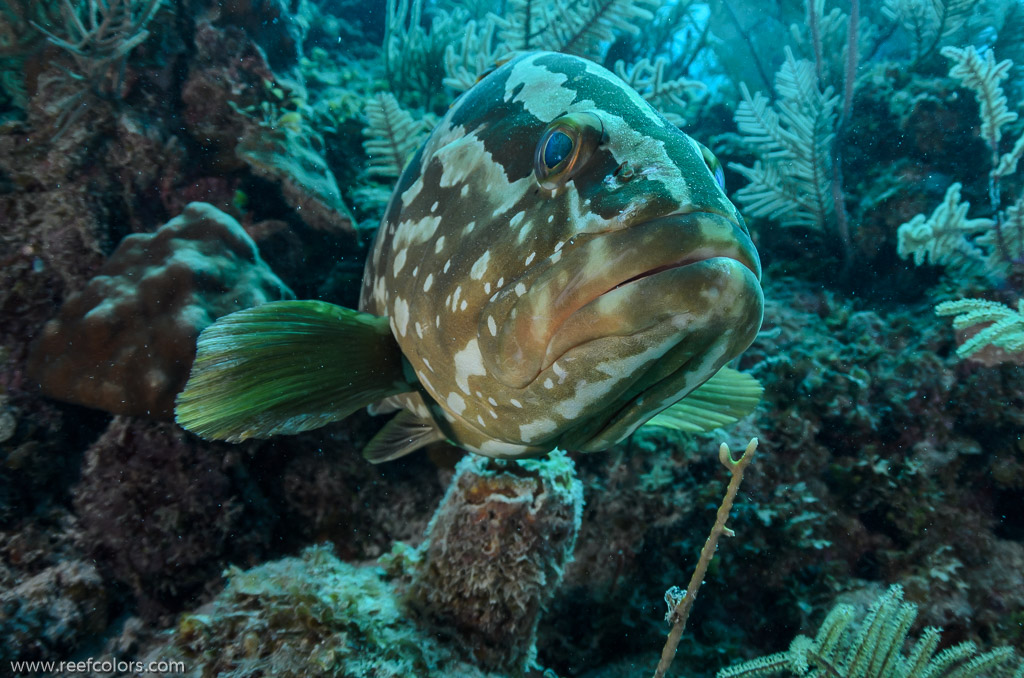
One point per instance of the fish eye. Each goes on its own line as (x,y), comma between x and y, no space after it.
(557,148)
(565,146)
(713,164)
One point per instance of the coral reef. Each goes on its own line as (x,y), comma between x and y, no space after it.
(125,343)
(885,457)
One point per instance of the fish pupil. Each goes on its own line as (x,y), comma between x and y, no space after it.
(559,146)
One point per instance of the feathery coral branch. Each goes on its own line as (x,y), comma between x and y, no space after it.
(392,135)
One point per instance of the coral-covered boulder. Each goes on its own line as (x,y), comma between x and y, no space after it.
(126,342)
(495,552)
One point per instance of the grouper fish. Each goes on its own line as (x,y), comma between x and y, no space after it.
(557,265)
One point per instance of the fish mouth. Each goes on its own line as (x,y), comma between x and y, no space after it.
(663,273)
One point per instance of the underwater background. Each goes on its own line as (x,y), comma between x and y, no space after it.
(149,150)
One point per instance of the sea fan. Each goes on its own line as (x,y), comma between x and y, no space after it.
(928,23)
(944,238)
(874,649)
(791,179)
(983,75)
(648,79)
(572,26)
(392,135)
(992,324)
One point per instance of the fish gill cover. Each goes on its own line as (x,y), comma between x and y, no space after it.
(873,150)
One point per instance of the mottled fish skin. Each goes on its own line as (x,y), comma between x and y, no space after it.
(505,296)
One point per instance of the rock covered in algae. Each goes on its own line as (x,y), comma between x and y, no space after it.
(465,604)
(495,553)
(309,616)
(125,343)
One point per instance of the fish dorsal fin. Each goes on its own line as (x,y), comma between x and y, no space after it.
(286,367)
(404,433)
(723,399)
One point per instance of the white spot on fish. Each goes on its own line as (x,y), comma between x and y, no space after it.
(494,415)
(433,208)
(516,403)
(427,363)
(468,362)
(530,258)
(439,245)
(481,420)
(554,258)
(520,289)
(554,192)
(469,228)
(399,261)
(492,326)
(480,266)
(557,369)
(415,232)
(548,383)
(410,193)
(428,282)
(419,330)
(487,288)
(424,380)
(447,265)
(492,401)
(551,217)
(501,281)
(456,403)
(498,448)
(455,299)
(401,315)
(463,305)
(464,190)
(535,429)
(559,245)
(517,219)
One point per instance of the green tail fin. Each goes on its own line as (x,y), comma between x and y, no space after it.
(286,367)
(403,434)
(723,399)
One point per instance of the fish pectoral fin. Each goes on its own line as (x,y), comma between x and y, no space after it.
(404,433)
(723,399)
(286,367)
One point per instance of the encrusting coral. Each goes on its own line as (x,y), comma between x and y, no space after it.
(125,343)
